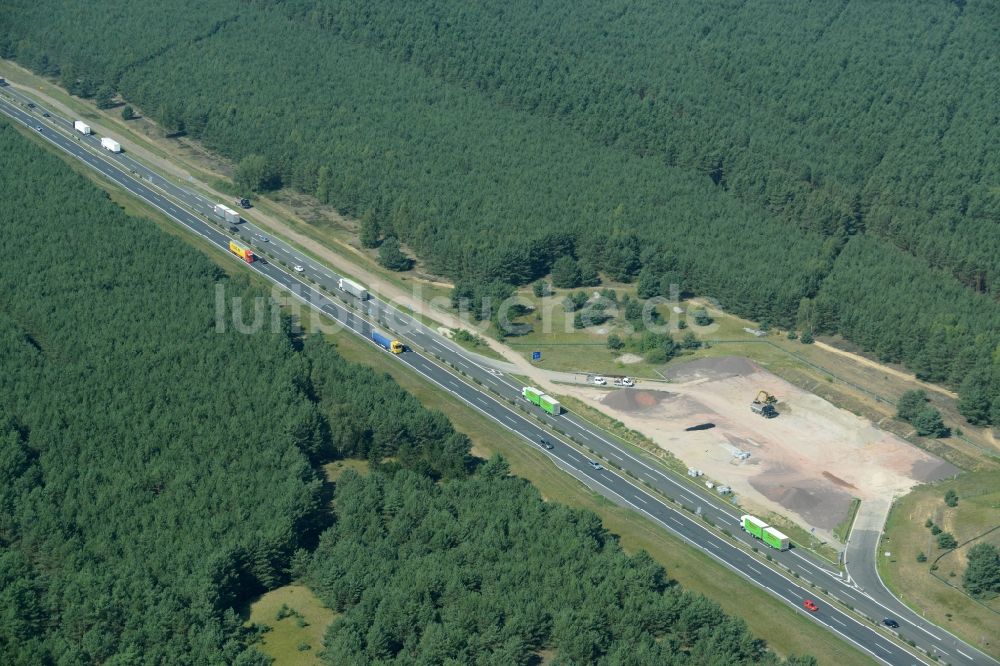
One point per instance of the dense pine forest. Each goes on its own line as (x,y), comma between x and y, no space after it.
(157,472)
(831,166)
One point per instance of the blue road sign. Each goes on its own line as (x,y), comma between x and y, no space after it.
(536,356)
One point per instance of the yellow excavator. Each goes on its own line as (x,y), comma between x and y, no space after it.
(763,404)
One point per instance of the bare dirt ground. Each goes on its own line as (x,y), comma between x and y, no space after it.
(808,463)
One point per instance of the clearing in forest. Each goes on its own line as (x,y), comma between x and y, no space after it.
(297,621)
(808,463)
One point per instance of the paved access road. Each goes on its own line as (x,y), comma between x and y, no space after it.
(192,211)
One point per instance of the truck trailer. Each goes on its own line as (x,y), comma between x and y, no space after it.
(111,144)
(353,288)
(546,402)
(246,254)
(775,539)
(394,346)
(82,128)
(226,213)
(759,529)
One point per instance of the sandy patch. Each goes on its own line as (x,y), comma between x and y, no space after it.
(806,464)
(628,359)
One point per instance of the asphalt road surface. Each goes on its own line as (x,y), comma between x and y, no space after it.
(503,403)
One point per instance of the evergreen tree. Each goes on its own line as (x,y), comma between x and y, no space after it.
(105,97)
(324,180)
(648,285)
(588,275)
(974,397)
(982,575)
(253,174)
(910,404)
(391,256)
(368,232)
(565,273)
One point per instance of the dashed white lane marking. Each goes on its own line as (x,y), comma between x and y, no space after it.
(962,653)
(838,621)
(639,498)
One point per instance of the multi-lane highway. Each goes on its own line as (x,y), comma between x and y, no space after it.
(498,397)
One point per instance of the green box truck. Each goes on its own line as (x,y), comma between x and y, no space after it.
(753,526)
(546,402)
(775,539)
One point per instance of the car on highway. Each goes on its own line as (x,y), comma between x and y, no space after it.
(263,239)
(889,622)
(31,105)
(596,465)
(810,605)
(45,114)
(546,444)
(298,269)
(628,381)
(234,229)
(599,381)
(38,128)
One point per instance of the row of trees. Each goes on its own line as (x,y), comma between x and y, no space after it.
(795,185)
(787,106)
(482,571)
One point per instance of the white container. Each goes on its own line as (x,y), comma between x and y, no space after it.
(226,213)
(353,288)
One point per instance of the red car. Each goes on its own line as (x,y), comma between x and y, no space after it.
(810,605)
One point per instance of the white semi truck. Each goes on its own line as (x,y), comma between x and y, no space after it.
(81,127)
(353,288)
(111,144)
(226,213)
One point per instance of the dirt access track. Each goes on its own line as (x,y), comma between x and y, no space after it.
(807,463)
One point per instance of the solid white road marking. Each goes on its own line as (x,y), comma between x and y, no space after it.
(927,632)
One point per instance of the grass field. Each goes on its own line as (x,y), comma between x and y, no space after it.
(297,638)
(939,597)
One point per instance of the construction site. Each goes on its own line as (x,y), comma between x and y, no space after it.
(773,446)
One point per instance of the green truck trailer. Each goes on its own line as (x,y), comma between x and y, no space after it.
(546,402)
(759,529)
(775,539)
